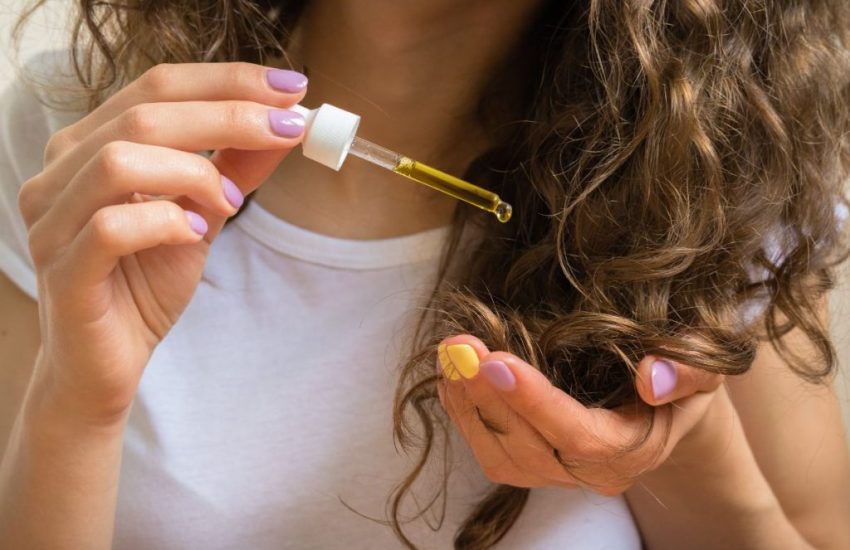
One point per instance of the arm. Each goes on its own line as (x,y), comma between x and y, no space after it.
(770,471)
(115,275)
(796,434)
(44,452)
(19,340)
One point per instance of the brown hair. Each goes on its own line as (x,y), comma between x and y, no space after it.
(670,164)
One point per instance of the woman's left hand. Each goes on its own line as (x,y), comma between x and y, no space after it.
(526,432)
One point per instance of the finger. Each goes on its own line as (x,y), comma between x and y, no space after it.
(192,126)
(524,389)
(455,355)
(491,456)
(187,126)
(625,443)
(247,170)
(197,82)
(460,355)
(530,453)
(123,168)
(528,450)
(583,434)
(120,230)
(530,394)
(660,380)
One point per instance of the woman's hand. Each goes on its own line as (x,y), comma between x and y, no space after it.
(526,432)
(121,218)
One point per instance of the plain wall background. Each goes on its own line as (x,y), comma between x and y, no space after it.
(48,31)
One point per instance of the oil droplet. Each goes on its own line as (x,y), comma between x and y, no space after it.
(503,211)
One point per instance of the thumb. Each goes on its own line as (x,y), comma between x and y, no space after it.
(661,380)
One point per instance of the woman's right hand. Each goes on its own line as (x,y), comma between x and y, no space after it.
(121,218)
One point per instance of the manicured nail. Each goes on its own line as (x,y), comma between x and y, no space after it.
(232,193)
(663,378)
(197,223)
(499,375)
(286,123)
(458,360)
(286,81)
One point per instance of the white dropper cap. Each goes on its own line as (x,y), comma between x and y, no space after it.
(328,133)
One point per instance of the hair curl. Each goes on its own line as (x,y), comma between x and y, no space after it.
(662,153)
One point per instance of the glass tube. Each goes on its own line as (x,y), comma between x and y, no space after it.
(433,178)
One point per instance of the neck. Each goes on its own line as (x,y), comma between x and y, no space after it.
(415,75)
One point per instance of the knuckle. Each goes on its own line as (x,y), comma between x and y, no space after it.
(104,226)
(114,159)
(58,143)
(234,115)
(242,75)
(29,198)
(203,170)
(139,120)
(157,80)
(172,214)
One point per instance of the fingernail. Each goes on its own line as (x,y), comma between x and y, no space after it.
(286,81)
(663,378)
(286,123)
(499,375)
(197,223)
(232,193)
(458,360)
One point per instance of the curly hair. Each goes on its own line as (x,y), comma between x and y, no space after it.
(670,163)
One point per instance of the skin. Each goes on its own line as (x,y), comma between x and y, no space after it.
(116,275)
(729,475)
(425,113)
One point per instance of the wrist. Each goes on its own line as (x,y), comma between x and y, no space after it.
(714,459)
(60,469)
(713,487)
(48,409)
(716,440)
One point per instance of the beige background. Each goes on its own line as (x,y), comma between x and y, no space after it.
(48,31)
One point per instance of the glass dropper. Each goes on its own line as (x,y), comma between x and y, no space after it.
(433,178)
(331,134)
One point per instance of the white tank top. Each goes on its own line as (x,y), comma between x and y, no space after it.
(267,409)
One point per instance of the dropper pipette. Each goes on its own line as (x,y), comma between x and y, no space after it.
(433,178)
(330,135)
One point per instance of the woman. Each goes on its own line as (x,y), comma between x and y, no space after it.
(674,170)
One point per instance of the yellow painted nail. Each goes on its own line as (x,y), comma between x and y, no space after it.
(449,371)
(462,360)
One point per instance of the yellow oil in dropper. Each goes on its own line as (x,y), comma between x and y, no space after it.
(433,178)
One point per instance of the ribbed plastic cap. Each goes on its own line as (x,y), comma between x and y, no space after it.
(328,133)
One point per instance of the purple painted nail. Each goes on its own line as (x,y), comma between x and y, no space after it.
(499,375)
(197,223)
(231,192)
(663,378)
(286,123)
(286,81)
